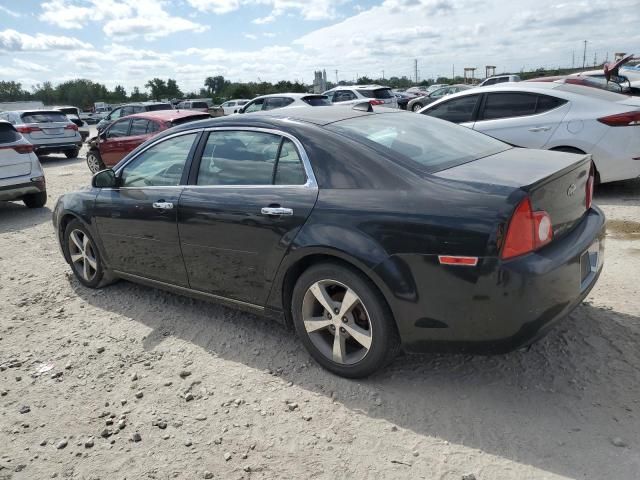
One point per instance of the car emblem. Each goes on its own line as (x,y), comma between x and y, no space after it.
(571,190)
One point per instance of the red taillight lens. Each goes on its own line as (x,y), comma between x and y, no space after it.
(622,119)
(589,193)
(71,126)
(28,129)
(376,102)
(23,148)
(528,231)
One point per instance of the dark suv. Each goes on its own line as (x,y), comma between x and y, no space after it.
(130,109)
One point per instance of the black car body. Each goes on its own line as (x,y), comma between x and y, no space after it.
(430,240)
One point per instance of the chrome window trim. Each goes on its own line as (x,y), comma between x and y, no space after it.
(311,179)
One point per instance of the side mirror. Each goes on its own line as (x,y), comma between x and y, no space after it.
(105,179)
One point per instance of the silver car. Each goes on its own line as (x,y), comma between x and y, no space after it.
(49,131)
(376,95)
(21,175)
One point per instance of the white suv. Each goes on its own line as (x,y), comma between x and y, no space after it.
(376,95)
(499,79)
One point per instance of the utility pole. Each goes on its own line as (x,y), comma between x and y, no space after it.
(415,68)
(584,55)
(336,77)
(573,59)
(382,74)
(595,58)
(453,72)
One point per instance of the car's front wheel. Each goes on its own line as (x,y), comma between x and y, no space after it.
(94,161)
(416,106)
(343,321)
(84,255)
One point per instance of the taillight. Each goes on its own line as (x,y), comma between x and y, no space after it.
(28,148)
(376,102)
(622,119)
(71,126)
(589,193)
(528,231)
(27,129)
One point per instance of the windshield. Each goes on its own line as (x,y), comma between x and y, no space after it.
(377,93)
(419,142)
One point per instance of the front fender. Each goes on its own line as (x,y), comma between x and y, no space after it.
(76,205)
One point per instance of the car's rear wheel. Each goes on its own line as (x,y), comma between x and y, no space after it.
(72,153)
(343,321)
(35,200)
(416,106)
(94,161)
(84,256)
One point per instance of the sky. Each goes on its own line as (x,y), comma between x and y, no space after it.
(127,42)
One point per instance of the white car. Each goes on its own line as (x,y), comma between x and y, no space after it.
(21,175)
(554,116)
(376,95)
(499,79)
(281,100)
(232,106)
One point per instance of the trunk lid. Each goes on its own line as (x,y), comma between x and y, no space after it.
(556,182)
(12,163)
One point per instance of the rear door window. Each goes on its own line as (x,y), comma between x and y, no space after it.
(118,129)
(547,102)
(507,105)
(343,96)
(138,127)
(255,106)
(277,102)
(289,168)
(456,110)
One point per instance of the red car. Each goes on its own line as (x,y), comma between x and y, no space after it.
(125,134)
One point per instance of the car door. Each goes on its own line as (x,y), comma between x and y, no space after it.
(520,118)
(249,195)
(137,222)
(111,145)
(137,135)
(461,110)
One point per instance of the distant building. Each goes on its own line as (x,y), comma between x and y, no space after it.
(319,81)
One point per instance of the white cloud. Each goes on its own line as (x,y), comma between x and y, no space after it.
(307,9)
(263,20)
(9,12)
(30,66)
(215,6)
(250,36)
(13,41)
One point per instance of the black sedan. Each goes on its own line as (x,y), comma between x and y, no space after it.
(366,231)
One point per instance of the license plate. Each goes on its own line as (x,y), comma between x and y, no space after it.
(52,131)
(589,262)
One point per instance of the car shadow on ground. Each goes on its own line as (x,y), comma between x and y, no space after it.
(59,160)
(15,216)
(625,193)
(555,406)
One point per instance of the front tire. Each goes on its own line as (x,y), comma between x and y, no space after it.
(343,321)
(35,200)
(84,256)
(94,161)
(416,106)
(72,153)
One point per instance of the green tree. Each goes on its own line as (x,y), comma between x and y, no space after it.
(214,84)
(172,90)
(158,88)
(119,94)
(137,95)
(12,91)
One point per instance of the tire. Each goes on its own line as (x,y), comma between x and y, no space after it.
(332,339)
(35,200)
(72,153)
(94,161)
(95,276)
(416,106)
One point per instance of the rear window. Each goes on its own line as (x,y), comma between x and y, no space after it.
(199,105)
(159,106)
(69,110)
(377,93)
(8,134)
(317,101)
(43,117)
(419,142)
(191,118)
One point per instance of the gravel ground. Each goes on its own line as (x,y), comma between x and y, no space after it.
(133,383)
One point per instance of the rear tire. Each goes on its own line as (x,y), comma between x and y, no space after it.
(416,106)
(35,200)
(94,161)
(357,340)
(72,153)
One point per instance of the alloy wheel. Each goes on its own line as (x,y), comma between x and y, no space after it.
(93,163)
(83,257)
(337,322)
(416,107)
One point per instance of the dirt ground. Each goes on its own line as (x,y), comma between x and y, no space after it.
(133,383)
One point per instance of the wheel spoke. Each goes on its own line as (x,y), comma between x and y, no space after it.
(76,240)
(85,270)
(85,242)
(321,295)
(316,323)
(76,257)
(349,300)
(91,261)
(338,348)
(360,335)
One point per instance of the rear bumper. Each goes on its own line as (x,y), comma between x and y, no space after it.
(25,186)
(45,148)
(497,306)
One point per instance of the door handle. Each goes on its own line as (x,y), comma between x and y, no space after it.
(163,205)
(539,129)
(276,211)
